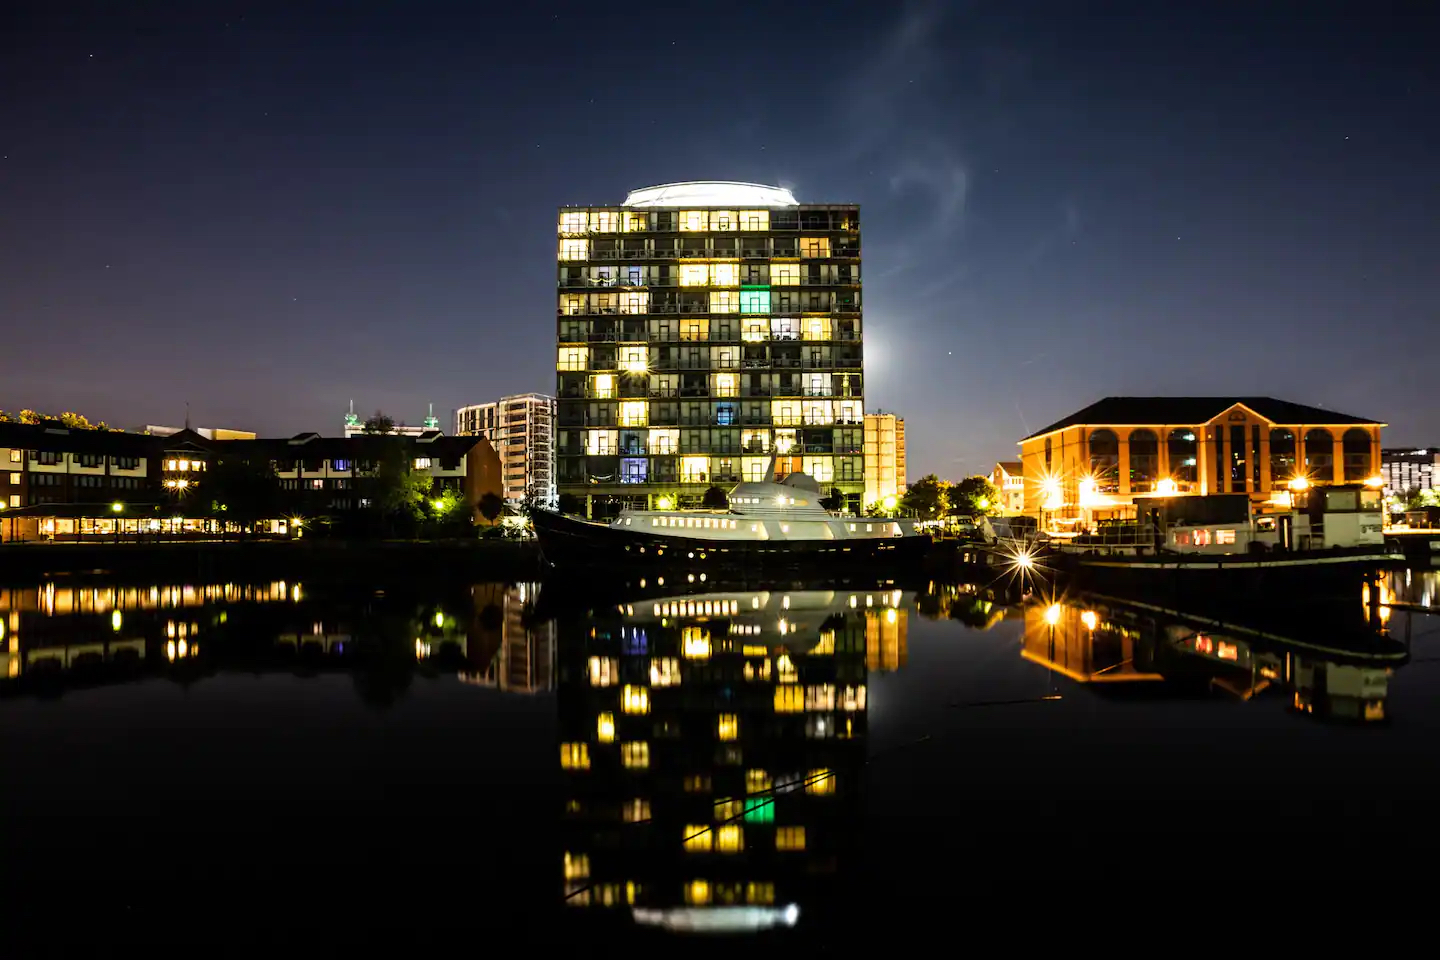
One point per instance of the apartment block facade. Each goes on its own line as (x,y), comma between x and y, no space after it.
(521,428)
(703,328)
(1409,470)
(884,457)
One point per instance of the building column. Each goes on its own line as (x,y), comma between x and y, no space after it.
(1123,439)
(1267,482)
(1338,457)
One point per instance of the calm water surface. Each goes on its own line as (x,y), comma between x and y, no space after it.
(226,762)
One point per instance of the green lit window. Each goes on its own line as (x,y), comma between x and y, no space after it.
(755,301)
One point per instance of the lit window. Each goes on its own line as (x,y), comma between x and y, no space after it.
(634,699)
(577,866)
(572,222)
(422,463)
(697,893)
(664,672)
(724,275)
(1224,536)
(605,221)
(574,249)
(729,838)
(814,246)
(575,756)
(754,219)
(790,838)
(604,386)
(636,810)
(15,456)
(697,783)
(728,727)
(761,893)
(692,220)
(724,301)
(728,809)
(754,301)
(820,782)
(573,358)
(696,643)
(853,698)
(632,413)
(725,385)
(605,727)
(602,671)
(757,781)
(694,274)
(784,274)
(820,697)
(635,754)
(697,838)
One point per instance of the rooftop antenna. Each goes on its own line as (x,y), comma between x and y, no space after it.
(430,422)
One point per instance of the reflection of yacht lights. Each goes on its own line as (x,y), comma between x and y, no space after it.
(718,919)
(890,615)
(439,619)
(1052,614)
(115,620)
(1090,620)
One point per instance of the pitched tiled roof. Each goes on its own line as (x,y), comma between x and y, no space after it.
(1012,467)
(1179,411)
(306,446)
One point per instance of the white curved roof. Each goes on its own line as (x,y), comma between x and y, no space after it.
(711,193)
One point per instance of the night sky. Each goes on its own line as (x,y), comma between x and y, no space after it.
(268,212)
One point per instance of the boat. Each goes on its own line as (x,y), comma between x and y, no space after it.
(770,527)
(1222,548)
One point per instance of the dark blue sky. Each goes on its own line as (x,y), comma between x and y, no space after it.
(268,213)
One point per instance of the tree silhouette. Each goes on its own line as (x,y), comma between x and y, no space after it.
(926,498)
(380,422)
(715,499)
(490,506)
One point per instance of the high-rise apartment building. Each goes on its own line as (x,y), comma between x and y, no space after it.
(521,430)
(1408,470)
(703,328)
(884,457)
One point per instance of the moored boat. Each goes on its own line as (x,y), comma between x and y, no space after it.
(769,527)
(1221,548)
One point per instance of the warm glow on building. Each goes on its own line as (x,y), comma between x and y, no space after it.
(1092,465)
(884,457)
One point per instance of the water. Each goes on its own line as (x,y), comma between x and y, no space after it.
(231,762)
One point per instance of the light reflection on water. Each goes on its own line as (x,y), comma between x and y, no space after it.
(714,750)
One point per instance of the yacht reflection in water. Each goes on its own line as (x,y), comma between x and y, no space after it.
(1339,669)
(712,747)
(55,636)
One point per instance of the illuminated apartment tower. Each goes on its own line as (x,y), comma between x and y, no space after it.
(521,429)
(884,457)
(701,327)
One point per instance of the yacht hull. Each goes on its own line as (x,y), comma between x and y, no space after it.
(573,544)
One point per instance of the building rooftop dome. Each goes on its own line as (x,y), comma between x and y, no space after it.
(711,193)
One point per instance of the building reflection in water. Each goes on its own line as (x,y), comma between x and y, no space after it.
(99,633)
(712,747)
(1333,671)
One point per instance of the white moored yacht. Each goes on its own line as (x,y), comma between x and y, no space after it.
(768,523)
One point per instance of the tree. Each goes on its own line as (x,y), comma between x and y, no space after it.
(973,496)
(380,422)
(244,489)
(490,506)
(715,499)
(926,498)
(396,492)
(1424,498)
(571,504)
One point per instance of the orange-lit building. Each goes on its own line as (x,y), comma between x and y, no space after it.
(1093,463)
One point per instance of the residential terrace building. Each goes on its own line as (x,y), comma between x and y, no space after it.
(61,483)
(1091,464)
(703,327)
(1009,480)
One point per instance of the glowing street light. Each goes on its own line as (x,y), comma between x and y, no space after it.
(1375,482)
(665,503)
(1299,483)
(889,502)
(1090,619)
(1052,614)
(1167,488)
(117,507)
